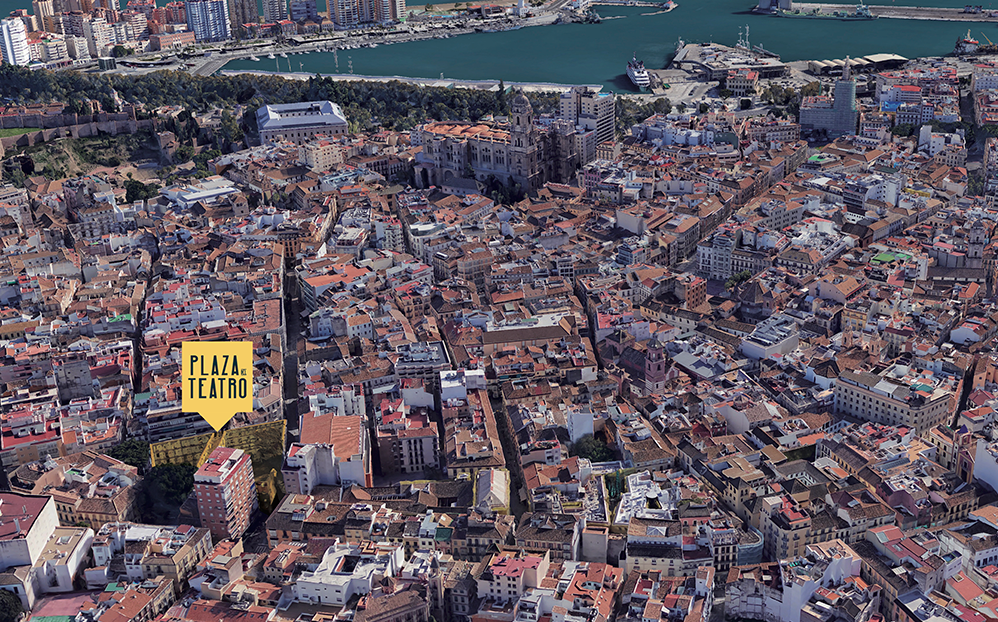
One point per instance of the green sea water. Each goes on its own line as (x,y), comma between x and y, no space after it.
(598,53)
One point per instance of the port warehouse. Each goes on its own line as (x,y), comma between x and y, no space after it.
(873,62)
(713,62)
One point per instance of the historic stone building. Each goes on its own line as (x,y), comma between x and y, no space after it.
(520,153)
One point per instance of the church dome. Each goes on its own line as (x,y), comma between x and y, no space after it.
(521,101)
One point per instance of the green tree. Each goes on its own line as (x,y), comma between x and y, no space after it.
(133,452)
(135,190)
(429,8)
(184,153)
(201,160)
(725,93)
(738,279)
(11,609)
(119,51)
(903,129)
(393,105)
(592,449)
(108,104)
(704,108)
(501,98)
(171,482)
(230,130)
(811,89)
(975,184)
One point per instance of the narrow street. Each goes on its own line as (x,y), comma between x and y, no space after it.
(511,453)
(294,347)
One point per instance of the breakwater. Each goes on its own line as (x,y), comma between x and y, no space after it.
(939,14)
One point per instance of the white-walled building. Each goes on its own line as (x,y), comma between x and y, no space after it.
(345,571)
(300,122)
(340,400)
(754,594)
(15,41)
(509,575)
(335,450)
(580,422)
(26,523)
(454,385)
(62,559)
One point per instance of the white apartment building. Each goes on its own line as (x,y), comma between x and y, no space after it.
(335,450)
(340,400)
(508,575)
(99,36)
(825,565)
(27,523)
(62,559)
(589,110)
(15,41)
(275,11)
(345,571)
(308,466)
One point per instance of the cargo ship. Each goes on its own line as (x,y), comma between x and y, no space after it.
(861,13)
(969,45)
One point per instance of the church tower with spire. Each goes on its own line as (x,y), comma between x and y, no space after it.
(846,112)
(839,118)
(523,144)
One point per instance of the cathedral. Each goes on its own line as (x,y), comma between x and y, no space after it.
(516,153)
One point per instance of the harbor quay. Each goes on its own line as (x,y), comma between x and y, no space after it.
(938,14)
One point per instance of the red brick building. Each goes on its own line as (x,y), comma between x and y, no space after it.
(226,493)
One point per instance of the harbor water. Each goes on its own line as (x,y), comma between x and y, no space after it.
(598,53)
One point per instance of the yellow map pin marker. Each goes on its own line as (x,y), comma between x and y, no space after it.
(217,379)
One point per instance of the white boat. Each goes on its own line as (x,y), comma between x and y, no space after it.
(271,56)
(283,55)
(637,73)
(254,58)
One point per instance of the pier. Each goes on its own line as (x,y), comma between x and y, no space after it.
(903,12)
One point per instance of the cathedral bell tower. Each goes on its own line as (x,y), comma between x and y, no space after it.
(522,142)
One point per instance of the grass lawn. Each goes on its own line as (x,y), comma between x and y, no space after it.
(17,131)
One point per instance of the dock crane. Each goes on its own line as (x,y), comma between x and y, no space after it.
(986,39)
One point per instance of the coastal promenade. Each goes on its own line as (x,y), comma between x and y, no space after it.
(478,85)
(936,14)
(205,66)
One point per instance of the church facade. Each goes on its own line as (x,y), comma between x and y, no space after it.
(518,153)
